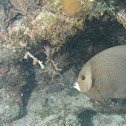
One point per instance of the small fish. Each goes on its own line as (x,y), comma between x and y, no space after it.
(104,75)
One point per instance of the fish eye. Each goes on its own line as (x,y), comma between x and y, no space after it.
(82,77)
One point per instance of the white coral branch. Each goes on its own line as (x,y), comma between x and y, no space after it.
(35,60)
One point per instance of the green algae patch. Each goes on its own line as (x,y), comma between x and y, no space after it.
(44,113)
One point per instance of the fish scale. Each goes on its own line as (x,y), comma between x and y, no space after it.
(107,68)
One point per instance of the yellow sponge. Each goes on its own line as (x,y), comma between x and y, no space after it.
(71,7)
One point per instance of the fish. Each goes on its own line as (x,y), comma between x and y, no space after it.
(104,75)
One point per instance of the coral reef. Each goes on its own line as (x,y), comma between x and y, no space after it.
(51,24)
(50,21)
(52,30)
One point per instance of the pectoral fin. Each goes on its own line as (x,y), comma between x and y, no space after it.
(99,82)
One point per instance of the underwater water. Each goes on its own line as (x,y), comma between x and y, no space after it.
(43,49)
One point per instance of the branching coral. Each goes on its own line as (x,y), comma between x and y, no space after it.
(35,60)
(20,6)
(99,7)
(5,17)
(2,13)
(52,69)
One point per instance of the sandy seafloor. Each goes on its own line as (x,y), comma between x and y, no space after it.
(67,107)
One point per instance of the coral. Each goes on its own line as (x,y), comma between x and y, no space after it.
(35,60)
(25,7)
(98,8)
(5,17)
(29,32)
(49,23)
(92,8)
(52,69)
(2,16)
(14,36)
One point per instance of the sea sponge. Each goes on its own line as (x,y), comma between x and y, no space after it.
(71,7)
(91,0)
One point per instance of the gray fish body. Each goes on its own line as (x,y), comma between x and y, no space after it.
(104,75)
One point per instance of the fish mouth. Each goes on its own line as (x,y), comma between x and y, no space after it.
(76,86)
